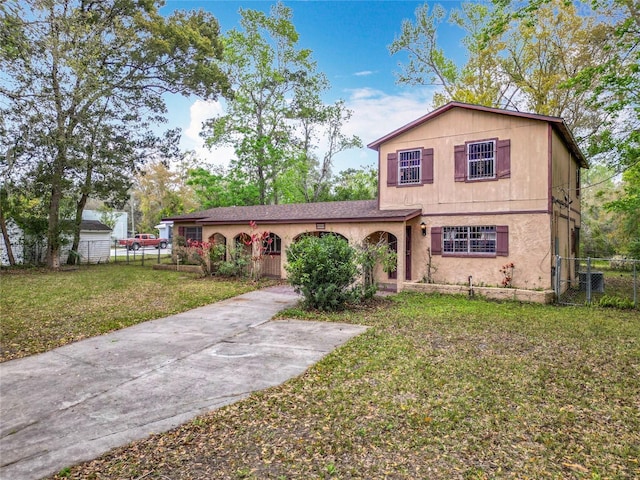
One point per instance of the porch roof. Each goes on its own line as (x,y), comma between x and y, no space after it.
(353,211)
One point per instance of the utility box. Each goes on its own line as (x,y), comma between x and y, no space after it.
(597,281)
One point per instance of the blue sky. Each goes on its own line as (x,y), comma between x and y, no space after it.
(349,40)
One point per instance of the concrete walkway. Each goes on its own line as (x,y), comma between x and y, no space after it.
(76,402)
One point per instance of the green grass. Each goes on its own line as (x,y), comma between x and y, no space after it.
(439,387)
(42,310)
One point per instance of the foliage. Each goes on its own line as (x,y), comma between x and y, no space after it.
(612,301)
(160,191)
(368,255)
(353,184)
(222,188)
(274,117)
(235,264)
(507,275)
(628,206)
(439,387)
(323,270)
(524,63)
(258,243)
(81,91)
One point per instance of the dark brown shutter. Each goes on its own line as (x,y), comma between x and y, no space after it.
(427,165)
(502,242)
(504,158)
(460,155)
(392,169)
(436,240)
(181,231)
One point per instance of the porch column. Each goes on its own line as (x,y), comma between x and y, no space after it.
(402,248)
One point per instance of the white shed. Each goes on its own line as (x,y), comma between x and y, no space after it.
(95,242)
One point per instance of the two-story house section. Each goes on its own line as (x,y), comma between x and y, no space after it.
(463,191)
(495,187)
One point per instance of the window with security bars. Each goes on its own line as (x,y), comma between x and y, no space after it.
(409,167)
(469,240)
(481,158)
(193,233)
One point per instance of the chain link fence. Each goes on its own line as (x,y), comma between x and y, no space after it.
(609,282)
(34,253)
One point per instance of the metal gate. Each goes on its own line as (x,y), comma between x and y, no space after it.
(602,281)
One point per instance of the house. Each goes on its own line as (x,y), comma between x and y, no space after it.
(463,191)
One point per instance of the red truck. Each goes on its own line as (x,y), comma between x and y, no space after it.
(144,240)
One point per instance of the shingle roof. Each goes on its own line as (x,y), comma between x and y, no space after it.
(94,226)
(347,211)
(557,122)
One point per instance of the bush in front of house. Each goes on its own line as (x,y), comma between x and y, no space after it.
(322,269)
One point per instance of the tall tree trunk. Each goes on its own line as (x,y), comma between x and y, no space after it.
(82,202)
(7,240)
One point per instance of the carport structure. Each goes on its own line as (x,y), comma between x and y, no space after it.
(357,221)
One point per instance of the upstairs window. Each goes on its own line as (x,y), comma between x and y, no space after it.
(409,167)
(481,160)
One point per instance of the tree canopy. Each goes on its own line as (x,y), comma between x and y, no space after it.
(274,116)
(81,88)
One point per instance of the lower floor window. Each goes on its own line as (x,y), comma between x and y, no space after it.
(193,233)
(469,240)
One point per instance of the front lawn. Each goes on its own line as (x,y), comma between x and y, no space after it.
(42,310)
(439,388)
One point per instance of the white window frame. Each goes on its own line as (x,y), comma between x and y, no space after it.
(470,240)
(481,160)
(410,167)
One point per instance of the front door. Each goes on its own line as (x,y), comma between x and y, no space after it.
(407,253)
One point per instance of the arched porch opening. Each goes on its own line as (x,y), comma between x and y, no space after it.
(216,239)
(388,239)
(271,256)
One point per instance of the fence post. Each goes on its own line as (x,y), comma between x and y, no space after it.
(588,281)
(158,254)
(142,248)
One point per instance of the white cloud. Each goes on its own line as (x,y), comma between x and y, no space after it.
(375,114)
(199,112)
(364,73)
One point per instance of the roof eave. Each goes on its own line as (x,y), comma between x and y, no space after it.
(360,219)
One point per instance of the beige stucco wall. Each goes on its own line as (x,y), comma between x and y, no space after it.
(355,233)
(525,190)
(565,219)
(529,251)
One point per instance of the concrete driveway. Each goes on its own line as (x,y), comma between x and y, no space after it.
(76,402)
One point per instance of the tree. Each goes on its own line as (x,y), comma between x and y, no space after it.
(160,191)
(522,62)
(352,184)
(275,115)
(81,86)
(222,188)
(479,81)
(628,208)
